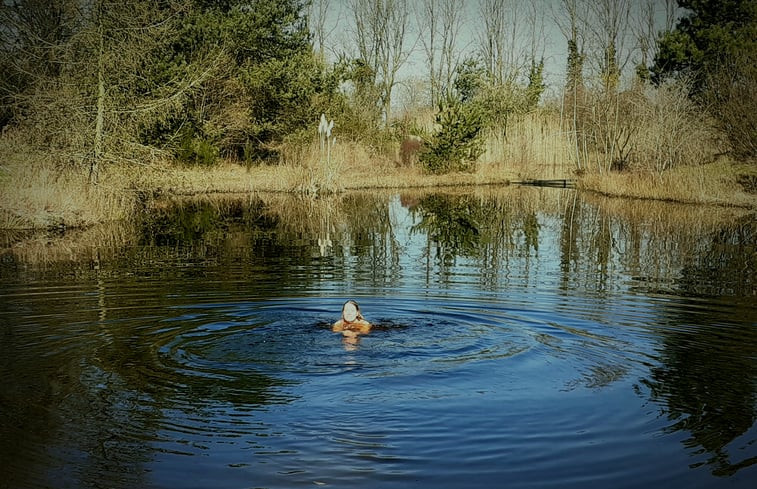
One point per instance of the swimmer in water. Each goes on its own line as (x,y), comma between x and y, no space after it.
(352,322)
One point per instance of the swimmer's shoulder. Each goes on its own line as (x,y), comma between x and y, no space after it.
(360,326)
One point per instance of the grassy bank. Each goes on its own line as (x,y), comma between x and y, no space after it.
(722,183)
(37,192)
(233,178)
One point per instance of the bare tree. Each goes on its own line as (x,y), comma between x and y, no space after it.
(534,22)
(507,38)
(32,35)
(671,14)
(319,12)
(88,104)
(33,31)
(570,18)
(442,21)
(381,28)
(609,29)
(652,17)
(492,39)
(120,36)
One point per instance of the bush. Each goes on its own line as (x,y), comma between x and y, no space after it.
(457,144)
(673,130)
(731,97)
(648,128)
(196,150)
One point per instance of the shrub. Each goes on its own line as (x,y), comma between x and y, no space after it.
(648,128)
(457,144)
(732,99)
(196,150)
(674,130)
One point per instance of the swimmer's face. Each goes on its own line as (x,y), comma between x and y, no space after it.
(349,312)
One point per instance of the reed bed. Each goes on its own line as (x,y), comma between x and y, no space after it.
(36,192)
(533,146)
(713,183)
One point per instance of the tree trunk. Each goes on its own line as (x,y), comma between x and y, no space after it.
(94,167)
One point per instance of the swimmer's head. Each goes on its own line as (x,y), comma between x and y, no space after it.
(351,311)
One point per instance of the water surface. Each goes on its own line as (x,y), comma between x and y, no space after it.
(523,337)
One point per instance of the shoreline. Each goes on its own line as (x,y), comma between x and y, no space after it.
(69,202)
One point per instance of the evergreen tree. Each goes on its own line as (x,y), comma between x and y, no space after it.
(263,88)
(574,73)
(536,84)
(716,46)
(713,30)
(457,144)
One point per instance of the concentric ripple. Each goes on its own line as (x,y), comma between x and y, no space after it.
(233,347)
(547,341)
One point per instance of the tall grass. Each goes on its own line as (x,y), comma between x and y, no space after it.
(311,170)
(535,146)
(713,183)
(305,169)
(37,192)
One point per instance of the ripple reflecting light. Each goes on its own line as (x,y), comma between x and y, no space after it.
(559,345)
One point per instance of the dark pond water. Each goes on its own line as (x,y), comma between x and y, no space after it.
(524,337)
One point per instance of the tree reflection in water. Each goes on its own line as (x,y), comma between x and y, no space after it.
(706,382)
(707,375)
(489,228)
(703,376)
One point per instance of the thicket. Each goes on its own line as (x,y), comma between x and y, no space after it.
(715,46)
(477,106)
(113,81)
(646,128)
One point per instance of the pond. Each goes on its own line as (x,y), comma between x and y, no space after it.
(523,337)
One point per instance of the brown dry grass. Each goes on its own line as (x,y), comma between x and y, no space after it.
(713,184)
(535,147)
(303,171)
(36,193)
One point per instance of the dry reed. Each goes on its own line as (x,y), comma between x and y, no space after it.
(714,183)
(38,193)
(535,146)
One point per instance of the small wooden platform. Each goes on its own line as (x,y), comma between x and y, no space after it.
(559,183)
